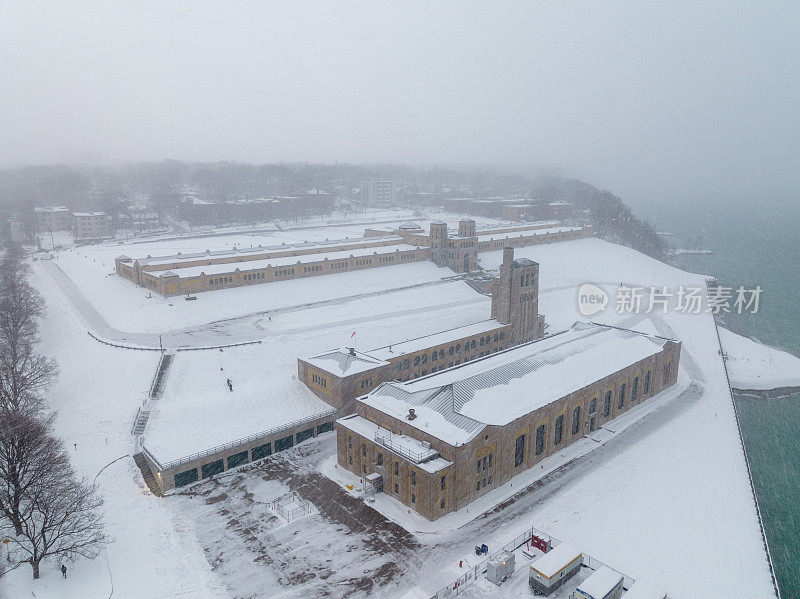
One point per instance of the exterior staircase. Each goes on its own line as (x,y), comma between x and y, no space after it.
(156,390)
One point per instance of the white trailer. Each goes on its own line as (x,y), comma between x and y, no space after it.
(554,568)
(605,583)
(640,590)
(500,567)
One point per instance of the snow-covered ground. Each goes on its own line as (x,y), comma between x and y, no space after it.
(752,365)
(668,500)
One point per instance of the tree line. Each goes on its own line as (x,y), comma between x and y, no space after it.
(46,511)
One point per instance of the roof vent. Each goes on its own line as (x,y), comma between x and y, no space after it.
(352,351)
(411,414)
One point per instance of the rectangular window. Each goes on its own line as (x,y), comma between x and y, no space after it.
(539,440)
(261,451)
(325,427)
(444,483)
(237,459)
(396,488)
(186,477)
(396,468)
(559,430)
(413,478)
(490,460)
(621,401)
(413,499)
(576,420)
(212,468)
(285,443)
(306,434)
(607,404)
(519,451)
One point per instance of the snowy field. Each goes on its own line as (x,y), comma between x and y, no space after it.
(752,365)
(128,307)
(667,501)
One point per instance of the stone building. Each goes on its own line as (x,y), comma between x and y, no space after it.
(437,443)
(339,376)
(457,252)
(515,298)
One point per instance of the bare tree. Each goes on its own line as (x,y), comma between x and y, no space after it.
(28,453)
(60,517)
(24,374)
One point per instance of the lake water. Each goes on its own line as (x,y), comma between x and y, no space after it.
(757,245)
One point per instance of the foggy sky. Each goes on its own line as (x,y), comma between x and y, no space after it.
(636,97)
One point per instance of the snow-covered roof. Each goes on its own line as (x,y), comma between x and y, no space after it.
(640,590)
(524,233)
(51,209)
(418,452)
(237,251)
(342,362)
(556,560)
(450,336)
(226,267)
(88,214)
(454,405)
(409,226)
(601,583)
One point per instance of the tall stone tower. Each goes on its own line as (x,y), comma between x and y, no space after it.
(515,298)
(459,253)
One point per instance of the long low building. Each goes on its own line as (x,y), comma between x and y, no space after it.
(206,271)
(195,279)
(439,442)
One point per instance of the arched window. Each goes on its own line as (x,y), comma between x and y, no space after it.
(416,360)
(634,389)
(481,342)
(647,383)
(519,451)
(559,430)
(576,420)
(621,400)
(607,404)
(592,407)
(433,356)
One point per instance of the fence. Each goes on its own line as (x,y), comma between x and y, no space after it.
(162,349)
(463,581)
(775,586)
(291,506)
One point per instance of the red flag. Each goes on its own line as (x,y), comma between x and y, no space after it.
(353,335)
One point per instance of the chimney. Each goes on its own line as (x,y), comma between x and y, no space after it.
(411,414)
(508,256)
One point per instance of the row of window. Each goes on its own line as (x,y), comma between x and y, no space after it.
(220,281)
(256,453)
(452,350)
(366,384)
(320,381)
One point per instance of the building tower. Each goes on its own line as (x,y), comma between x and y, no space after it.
(439,246)
(515,298)
(466,227)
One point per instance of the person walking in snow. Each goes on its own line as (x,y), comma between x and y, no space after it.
(64,570)
(230,385)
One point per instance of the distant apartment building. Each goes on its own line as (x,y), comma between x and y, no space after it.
(53,218)
(379,193)
(91,225)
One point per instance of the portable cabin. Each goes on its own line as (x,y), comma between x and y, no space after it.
(554,568)
(640,590)
(605,583)
(500,567)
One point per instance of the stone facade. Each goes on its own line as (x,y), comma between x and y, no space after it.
(515,298)
(497,453)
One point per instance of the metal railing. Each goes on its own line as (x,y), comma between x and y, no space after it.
(384,437)
(291,506)
(775,586)
(242,441)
